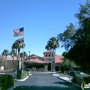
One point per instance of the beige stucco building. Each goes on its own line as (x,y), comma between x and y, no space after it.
(37,62)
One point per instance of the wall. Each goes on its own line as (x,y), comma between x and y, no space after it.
(48,58)
(10,64)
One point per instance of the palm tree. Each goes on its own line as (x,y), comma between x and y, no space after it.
(5,53)
(23,55)
(52,44)
(16,45)
(13,54)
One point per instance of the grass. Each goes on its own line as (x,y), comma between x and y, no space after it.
(24,74)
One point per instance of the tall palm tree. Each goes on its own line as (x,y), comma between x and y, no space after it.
(13,54)
(23,55)
(52,44)
(5,53)
(16,45)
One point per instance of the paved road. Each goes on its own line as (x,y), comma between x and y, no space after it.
(40,81)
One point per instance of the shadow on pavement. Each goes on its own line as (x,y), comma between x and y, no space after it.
(43,88)
(68,85)
(62,83)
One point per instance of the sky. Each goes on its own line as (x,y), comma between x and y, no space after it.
(41,19)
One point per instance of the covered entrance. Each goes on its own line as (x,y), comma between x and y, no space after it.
(35,66)
(49,67)
(57,68)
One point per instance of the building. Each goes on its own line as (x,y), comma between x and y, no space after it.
(37,62)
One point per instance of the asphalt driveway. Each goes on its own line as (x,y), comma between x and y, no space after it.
(43,81)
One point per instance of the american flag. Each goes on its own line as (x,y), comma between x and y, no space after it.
(18,32)
(21,40)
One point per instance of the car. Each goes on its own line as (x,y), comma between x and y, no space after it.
(73,72)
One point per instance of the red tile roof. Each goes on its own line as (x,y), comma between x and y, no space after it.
(37,59)
(11,58)
(59,59)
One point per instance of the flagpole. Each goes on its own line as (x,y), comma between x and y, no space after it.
(23,54)
(23,59)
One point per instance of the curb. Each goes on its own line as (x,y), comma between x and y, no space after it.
(22,79)
(56,75)
(44,72)
(70,83)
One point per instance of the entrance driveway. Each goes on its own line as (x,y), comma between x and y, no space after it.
(44,81)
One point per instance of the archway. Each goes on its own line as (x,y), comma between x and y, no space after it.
(57,68)
(49,67)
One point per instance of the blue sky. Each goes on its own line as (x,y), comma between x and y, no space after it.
(41,19)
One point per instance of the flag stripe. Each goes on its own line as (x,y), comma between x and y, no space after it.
(21,40)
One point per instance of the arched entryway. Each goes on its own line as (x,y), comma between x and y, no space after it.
(57,68)
(49,67)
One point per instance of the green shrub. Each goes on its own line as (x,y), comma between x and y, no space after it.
(22,75)
(78,79)
(72,74)
(6,81)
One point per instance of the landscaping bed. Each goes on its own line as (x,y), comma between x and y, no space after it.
(22,74)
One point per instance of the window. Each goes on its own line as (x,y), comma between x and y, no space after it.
(46,55)
(49,55)
(52,55)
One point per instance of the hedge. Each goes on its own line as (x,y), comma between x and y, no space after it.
(6,81)
(79,79)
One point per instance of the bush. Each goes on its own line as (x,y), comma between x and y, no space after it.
(72,74)
(6,81)
(22,75)
(79,79)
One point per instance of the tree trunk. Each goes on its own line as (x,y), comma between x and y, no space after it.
(53,60)
(13,62)
(6,62)
(17,58)
(23,63)
(19,64)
